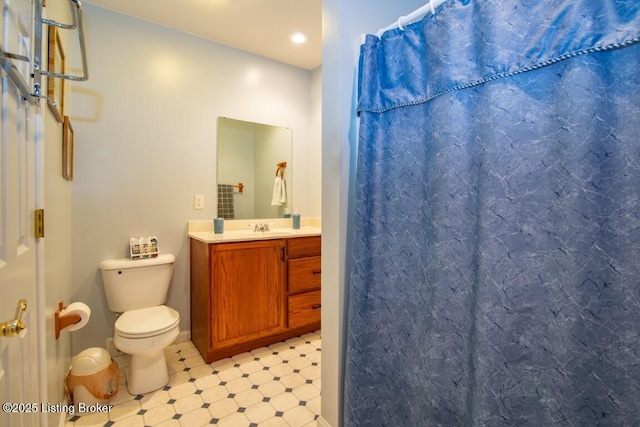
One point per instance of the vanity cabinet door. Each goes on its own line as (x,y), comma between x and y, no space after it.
(248,292)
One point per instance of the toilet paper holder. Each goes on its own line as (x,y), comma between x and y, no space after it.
(64,320)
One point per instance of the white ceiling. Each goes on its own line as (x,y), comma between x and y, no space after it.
(258,26)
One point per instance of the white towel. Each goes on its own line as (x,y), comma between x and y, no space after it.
(279,196)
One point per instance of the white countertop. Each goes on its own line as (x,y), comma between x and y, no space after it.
(242,230)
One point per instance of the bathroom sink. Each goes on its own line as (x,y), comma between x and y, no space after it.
(268,234)
(276,231)
(248,234)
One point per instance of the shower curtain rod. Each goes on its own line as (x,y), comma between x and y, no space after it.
(414,16)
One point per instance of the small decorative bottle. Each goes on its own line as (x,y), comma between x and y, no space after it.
(296,219)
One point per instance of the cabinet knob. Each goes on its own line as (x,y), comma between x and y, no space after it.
(316,306)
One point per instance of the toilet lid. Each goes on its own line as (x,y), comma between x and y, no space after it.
(147,322)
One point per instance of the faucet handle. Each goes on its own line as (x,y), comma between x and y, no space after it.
(263,226)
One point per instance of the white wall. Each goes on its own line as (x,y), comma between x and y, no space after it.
(145,130)
(344,22)
(314,138)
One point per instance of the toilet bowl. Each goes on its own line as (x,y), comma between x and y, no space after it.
(144,334)
(137,290)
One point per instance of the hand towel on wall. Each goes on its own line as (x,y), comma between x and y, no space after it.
(279,196)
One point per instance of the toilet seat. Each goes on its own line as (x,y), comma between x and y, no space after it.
(147,322)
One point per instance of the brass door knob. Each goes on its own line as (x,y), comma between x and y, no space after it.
(12,328)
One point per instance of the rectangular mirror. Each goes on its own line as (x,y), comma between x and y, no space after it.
(251,158)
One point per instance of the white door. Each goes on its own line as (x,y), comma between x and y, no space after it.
(19,390)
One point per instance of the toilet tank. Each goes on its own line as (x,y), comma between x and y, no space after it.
(133,284)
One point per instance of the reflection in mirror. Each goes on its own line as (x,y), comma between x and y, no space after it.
(251,184)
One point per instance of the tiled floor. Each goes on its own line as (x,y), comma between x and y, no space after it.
(277,385)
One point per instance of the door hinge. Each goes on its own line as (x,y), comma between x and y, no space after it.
(39,223)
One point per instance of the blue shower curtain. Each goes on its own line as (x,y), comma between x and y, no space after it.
(495,276)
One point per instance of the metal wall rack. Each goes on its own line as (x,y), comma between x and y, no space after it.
(32,91)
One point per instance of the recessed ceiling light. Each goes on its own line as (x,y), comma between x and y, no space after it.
(298,37)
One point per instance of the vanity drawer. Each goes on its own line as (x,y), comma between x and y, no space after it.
(304,274)
(304,309)
(303,246)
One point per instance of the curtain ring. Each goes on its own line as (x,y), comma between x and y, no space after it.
(433,10)
(400,23)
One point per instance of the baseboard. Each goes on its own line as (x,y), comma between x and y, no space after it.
(183,336)
(112,349)
(322,422)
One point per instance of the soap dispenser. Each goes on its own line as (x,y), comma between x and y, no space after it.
(286,213)
(296,219)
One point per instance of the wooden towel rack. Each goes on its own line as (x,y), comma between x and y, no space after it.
(280,169)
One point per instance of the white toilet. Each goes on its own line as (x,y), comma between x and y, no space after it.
(137,291)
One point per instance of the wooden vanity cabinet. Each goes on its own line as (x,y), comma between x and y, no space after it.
(245,295)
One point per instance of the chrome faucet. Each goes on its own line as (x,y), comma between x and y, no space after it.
(261,227)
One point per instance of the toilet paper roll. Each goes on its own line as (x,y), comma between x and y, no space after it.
(82,310)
